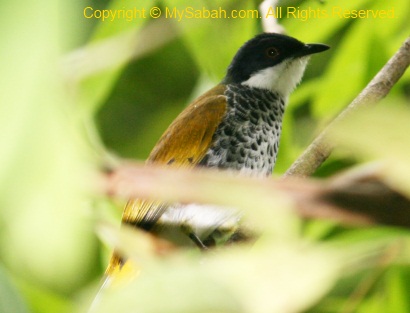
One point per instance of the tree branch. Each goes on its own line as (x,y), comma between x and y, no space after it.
(356,197)
(319,150)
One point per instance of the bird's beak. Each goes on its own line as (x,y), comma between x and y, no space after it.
(311,48)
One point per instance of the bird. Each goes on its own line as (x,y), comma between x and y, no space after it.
(234,126)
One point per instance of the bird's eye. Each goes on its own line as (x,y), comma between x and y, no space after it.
(272,52)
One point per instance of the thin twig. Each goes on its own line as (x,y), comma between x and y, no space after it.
(319,150)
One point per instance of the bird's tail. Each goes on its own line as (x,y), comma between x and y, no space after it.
(118,273)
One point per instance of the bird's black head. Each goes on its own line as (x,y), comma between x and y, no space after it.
(274,53)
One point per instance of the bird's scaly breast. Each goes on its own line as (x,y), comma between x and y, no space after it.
(247,140)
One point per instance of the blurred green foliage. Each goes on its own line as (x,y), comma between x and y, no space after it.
(74,88)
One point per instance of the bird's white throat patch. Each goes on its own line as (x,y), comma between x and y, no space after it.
(282,78)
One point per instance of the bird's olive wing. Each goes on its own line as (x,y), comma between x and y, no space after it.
(189,137)
(183,144)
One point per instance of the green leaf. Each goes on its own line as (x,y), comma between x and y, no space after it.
(42,300)
(379,134)
(396,289)
(44,168)
(10,299)
(345,73)
(271,278)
